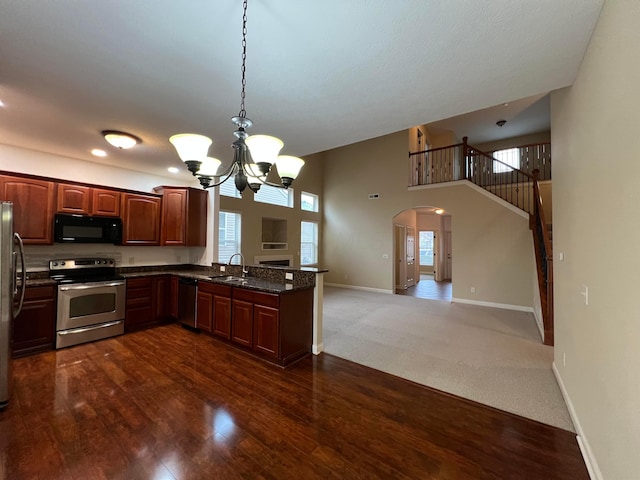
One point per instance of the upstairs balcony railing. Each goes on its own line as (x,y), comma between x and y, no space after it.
(463,161)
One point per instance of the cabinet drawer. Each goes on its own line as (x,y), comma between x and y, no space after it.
(215,289)
(139,282)
(40,293)
(261,298)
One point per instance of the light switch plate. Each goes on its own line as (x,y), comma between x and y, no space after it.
(288,276)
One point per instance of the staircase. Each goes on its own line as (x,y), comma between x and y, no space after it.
(518,187)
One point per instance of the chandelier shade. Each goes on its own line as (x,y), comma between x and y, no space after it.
(288,168)
(264,148)
(209,167)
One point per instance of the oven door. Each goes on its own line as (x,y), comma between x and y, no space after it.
(83,304)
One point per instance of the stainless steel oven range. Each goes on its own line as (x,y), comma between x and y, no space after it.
(91,300)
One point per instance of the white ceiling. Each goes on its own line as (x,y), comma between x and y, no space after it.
(320,74)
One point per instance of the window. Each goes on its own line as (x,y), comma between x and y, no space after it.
(228,188)
(274,196)
(309,243)
(228,235)
(309,202)
(426,248)
(510,156)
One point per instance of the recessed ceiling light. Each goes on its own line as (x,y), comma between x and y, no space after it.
(173,169)
(1,103)
(96,152)
(439,211)
(120,139)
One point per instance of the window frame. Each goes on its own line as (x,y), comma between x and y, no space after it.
(238,234)
(316,202)
(313,244)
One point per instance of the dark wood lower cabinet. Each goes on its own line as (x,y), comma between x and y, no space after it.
(242,322)
(173,301)
(148,301)
(277,327)
(33,330)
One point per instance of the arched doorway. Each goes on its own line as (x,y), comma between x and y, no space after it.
(422,253)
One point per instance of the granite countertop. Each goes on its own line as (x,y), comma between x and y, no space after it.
(249,283)
(270,280)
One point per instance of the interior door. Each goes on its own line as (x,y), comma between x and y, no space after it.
(399,254)
(411,256)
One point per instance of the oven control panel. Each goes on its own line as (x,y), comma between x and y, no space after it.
(81,263)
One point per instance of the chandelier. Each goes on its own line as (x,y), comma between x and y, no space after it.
(253,155)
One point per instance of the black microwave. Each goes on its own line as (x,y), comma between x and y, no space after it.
(86,229)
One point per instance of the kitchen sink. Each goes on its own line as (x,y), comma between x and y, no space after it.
(230,279)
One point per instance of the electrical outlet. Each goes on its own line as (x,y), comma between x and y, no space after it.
(385,256)
(223,268)
(473,289)
(288,276)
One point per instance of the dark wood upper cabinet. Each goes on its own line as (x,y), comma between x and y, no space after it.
(105,202)
(140,219)
(84,200)
(73,199)
(184,216)
(33,204)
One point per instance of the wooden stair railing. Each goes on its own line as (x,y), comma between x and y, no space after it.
(519,188)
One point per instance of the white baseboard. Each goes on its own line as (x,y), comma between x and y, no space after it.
(357,287)
(317,349)
(583,443)
(506,306)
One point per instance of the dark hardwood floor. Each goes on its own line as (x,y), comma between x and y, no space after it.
(167,403)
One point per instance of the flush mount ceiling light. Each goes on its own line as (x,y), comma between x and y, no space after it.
(253,155)
(439,211)
(121,140)
(501,123)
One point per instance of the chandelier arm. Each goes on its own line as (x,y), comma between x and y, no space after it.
(229,172)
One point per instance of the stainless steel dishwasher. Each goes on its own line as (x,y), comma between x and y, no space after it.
(187,288)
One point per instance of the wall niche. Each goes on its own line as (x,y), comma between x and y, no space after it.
(274,234)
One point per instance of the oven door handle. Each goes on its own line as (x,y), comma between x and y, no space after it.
(89,286)
(92,327)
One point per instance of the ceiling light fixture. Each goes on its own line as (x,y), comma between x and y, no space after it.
(253,155)
(439,211)
(501,123)
(121,140)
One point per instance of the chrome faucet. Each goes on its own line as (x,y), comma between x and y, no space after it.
(244,270)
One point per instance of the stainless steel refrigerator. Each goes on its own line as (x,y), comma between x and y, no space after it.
(11,251)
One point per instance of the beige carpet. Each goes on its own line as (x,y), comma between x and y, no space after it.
(488,355)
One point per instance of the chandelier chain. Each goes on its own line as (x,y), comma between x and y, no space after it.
(243,112)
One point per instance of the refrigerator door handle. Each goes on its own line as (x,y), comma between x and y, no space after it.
(23,280)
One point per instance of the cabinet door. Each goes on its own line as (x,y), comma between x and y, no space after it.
(174,217)
(140,310)
(266,330)
(140,220)
(73,199)
(242,325)
(184,216)
(33,330)
(173,303)
(222,316)
(33,202)
(204,307)
(161,297)
(105,202)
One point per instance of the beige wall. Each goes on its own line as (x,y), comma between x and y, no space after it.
(542,137)
(492,246)
(596,172)
(310,181)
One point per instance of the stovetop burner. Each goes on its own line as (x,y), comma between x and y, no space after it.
(83,270)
